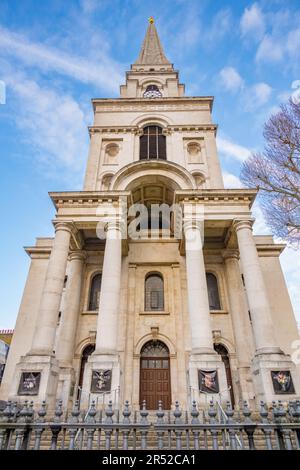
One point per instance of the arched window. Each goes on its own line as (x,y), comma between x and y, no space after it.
(153,144)
(154,292)
(213,292)
(95,292)
(155,349)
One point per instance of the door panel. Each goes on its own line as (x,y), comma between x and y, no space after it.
(155,383)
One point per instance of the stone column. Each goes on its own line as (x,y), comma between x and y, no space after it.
(268,356)
(201,333)
(106,355)
(44,336)
(241,324)
(203,355)
(65,350)
(256,292)
(107,325)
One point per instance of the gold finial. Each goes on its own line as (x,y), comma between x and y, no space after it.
(151,20)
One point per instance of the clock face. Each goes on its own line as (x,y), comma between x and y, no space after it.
(152,91)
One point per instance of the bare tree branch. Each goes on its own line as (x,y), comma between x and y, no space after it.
(276,173)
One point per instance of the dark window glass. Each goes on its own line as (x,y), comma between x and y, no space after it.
(95,292)
(153,144)
(154,292)
(213,292)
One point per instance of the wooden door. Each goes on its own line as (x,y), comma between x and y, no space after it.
(155,383)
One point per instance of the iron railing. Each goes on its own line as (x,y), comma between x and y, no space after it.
(275,427)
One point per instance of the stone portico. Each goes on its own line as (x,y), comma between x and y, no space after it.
(185,314)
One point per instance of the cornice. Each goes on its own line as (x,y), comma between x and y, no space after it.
(86,198)
(175,99)
(216,196)
(136,129)
(179,103)
(270,249)
(38,252)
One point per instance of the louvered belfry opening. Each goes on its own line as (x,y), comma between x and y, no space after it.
(153,144)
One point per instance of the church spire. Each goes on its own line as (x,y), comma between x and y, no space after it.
(152,52)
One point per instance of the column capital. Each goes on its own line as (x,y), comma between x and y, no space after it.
(115,228)
(230,254)
(65,225)
(239,224)
(77,255)
(192,223)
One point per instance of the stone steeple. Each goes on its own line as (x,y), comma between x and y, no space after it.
(152,68)
(152,52)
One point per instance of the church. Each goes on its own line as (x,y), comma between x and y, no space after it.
(153,287)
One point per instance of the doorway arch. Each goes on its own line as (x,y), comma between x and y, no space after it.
(223,352)
(86,352)
(155,377)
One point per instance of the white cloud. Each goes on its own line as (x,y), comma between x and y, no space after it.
(104,74)
(293,43)
(260,227)
(269,50)
(53,124)
(262,92)
(290,262)
(231,181)
(89,6)
(255,96)
(231,79)
(219,27)
(253,22)
(231,149)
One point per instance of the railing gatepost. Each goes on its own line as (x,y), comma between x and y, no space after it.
(40,428)
(195,421)
(126,422)
(109,412)
(144,421)
(267,430)
(249,426)
(91,419)
(160,420)
(56,426)
(212,413)
(178,421)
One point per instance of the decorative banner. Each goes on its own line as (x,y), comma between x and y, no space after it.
(208,381)
(282,381)
(29,383)
(101,381)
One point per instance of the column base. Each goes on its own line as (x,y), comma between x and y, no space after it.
(102,380)
(267,386)
(210,362)
(35,379)
(66,384)
(245,385)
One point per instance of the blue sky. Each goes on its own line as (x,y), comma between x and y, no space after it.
(56,55)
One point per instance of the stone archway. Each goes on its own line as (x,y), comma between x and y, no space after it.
(155,376)
(222,351)
(87,351)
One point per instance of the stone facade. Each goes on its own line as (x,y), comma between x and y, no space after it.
(67,348)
